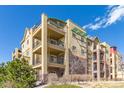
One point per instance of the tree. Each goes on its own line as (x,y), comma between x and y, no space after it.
(17,74)
(2,73)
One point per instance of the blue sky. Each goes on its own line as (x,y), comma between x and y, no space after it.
(102,21)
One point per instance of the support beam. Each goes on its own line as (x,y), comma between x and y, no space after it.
(44,46)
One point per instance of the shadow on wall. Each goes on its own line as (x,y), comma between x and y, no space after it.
(77,65)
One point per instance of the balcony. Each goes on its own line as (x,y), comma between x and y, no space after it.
(36,28)
(36,45)
(55,31)
(56,61)
(95,66)
(37,62)
(56,44)
(56,25)
(101,67)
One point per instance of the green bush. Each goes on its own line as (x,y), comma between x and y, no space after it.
(17,74)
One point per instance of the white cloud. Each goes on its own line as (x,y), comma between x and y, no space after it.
(97,19)
(113,14)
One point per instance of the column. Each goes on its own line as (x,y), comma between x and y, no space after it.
(31,45)
(98,62)
(44,46)
(67,40)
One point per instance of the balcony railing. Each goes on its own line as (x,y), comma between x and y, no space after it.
(55,59)
(36,25)
(36,62)
(56,43)
(95,68)
(36,44)
(56,25)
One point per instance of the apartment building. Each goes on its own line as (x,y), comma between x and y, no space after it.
(120,67)
(115,63)
(63,47)
(16,54)
(107,60)
(97,59)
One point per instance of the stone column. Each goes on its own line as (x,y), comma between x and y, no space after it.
(113,65)
(98,62)
(105,61)
(44,46)
(31,45)
(92,62)
(67,40)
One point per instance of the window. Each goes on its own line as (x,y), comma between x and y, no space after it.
(82,40)
(73,47)
(111,69)
(82,52)
(95,66)
(94,47)
(88,44)
(27,42)
(94,56)
(111,61)
(95,75)
(74,35)
(27,53)
(53,58)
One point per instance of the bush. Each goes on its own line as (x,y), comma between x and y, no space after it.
(65,79)
(52,78)
(74,78)
(17,74)
(77,78)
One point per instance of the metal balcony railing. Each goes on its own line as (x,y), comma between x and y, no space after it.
(95,68)
(56,43)
(36,62)
(36,44)
(56,25)
(58,60)
(36,25)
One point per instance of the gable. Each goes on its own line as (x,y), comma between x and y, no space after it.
(26,34)
(96,39)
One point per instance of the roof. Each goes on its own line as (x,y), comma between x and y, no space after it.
(26,29)
(55,19)
(93,38)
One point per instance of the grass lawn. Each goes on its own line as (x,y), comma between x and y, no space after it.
(63,86)
(110,85)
